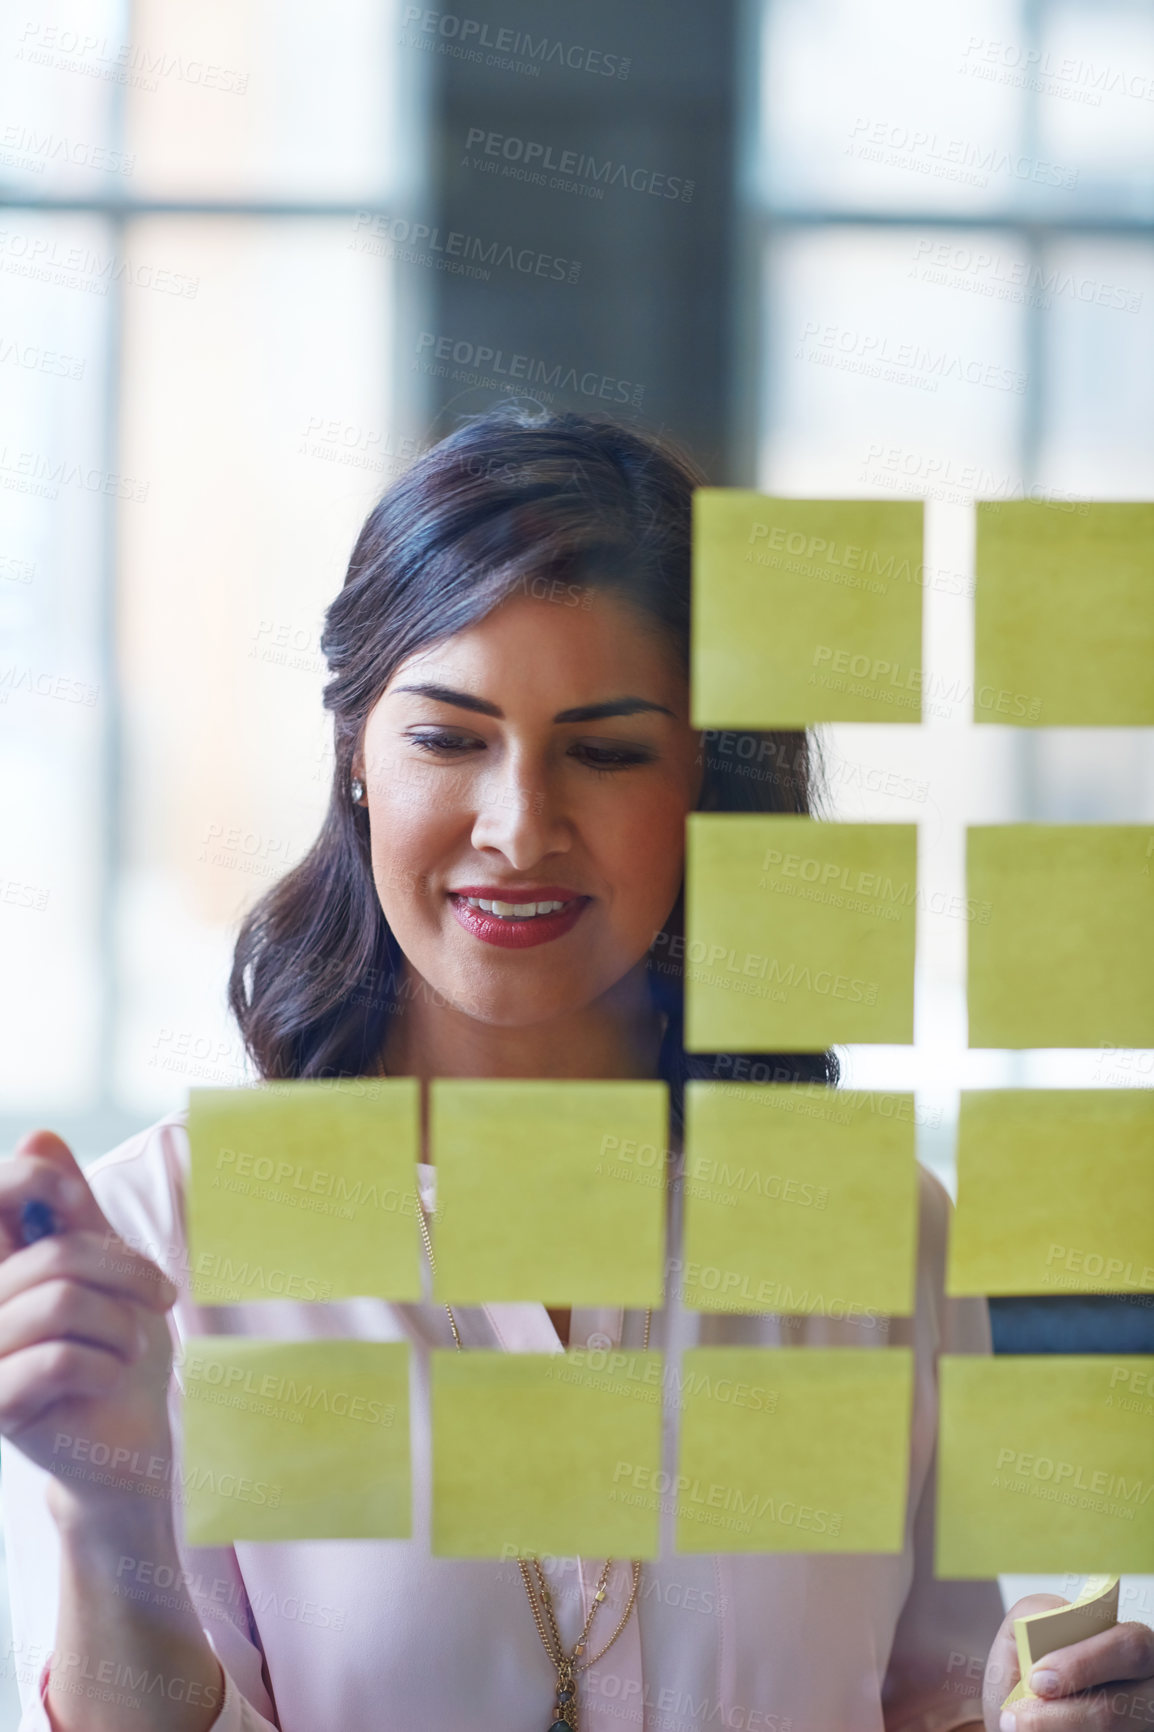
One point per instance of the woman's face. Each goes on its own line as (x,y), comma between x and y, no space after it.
(541,756)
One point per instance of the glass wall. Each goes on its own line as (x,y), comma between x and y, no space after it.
(944,289)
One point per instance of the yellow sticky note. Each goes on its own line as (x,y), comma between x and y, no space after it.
(805,610)
(1042,1633)
(794,1449)
(1045,1464)
(1063,933)
(295,1440)
(304,1190)
(549,1191)
(799,933)
(1055,1192)
(535,1452)
(1064,614)
(799,1199)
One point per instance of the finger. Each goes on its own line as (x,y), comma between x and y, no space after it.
(1006,1637)
(32,1178)
(84,1210)
(64,1310)
(1001,1671)
(101,1260)
(1121,1708)
(1031,1603)
(35,1379)
(43,1168)
(1123,1652)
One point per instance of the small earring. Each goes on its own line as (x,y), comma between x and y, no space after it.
(357,790)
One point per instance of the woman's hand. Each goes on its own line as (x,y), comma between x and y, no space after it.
(1104,1684)
(85,1350)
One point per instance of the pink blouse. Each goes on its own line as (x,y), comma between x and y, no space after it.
(340,1636)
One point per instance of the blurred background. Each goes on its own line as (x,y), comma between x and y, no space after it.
(254,256)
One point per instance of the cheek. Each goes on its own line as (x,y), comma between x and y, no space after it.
(644,854)
(408,837)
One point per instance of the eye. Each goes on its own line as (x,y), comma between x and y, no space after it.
(442,743)
(611,757)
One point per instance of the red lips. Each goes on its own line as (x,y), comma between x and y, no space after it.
(514,934)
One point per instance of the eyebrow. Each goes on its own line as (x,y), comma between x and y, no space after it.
(628,706)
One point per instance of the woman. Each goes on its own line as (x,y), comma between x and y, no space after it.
(509,660)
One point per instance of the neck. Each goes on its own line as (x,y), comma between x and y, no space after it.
(617,1036)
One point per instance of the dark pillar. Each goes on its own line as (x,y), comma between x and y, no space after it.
(586,155)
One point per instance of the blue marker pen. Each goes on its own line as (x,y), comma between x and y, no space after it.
(36,1221)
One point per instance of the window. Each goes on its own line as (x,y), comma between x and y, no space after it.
(201,403)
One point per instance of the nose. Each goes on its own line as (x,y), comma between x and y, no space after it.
(519,813)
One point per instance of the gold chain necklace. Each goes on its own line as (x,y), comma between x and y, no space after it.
(566,1666)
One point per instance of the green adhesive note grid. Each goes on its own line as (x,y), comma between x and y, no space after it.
(799,932)
(304,1190)
(1046,1464)
(549,1191)
(805,610)
(1055,1192)
(1064,958)
(294,1440)
(1064,614)
(799,1200)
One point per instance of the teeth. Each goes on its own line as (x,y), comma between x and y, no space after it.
(513,910)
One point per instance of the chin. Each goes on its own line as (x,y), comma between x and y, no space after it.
(517,1001)
(517,1010)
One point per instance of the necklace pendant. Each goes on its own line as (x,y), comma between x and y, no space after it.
(565,1713)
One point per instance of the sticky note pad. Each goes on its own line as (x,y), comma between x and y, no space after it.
(1060,946)
(799,932)
(549,1191)
(1045,1464)
(1055,1192)
(535,1452)
(1064,614)
(304,1190)
(805,610)
(295,1440)
(1042,1633)
(799,1199)
(794,1449)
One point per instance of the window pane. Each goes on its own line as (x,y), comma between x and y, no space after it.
(263,98)
(1098,426)
(873,104)
(60,89)
(262,424)
(1095,84)
(57,486)
(885,371)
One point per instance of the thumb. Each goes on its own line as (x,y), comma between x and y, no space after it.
(66,1191)
(1002,1669)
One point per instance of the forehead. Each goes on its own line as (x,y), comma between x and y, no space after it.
(566,646)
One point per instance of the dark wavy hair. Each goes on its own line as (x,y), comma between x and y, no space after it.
(514,500)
